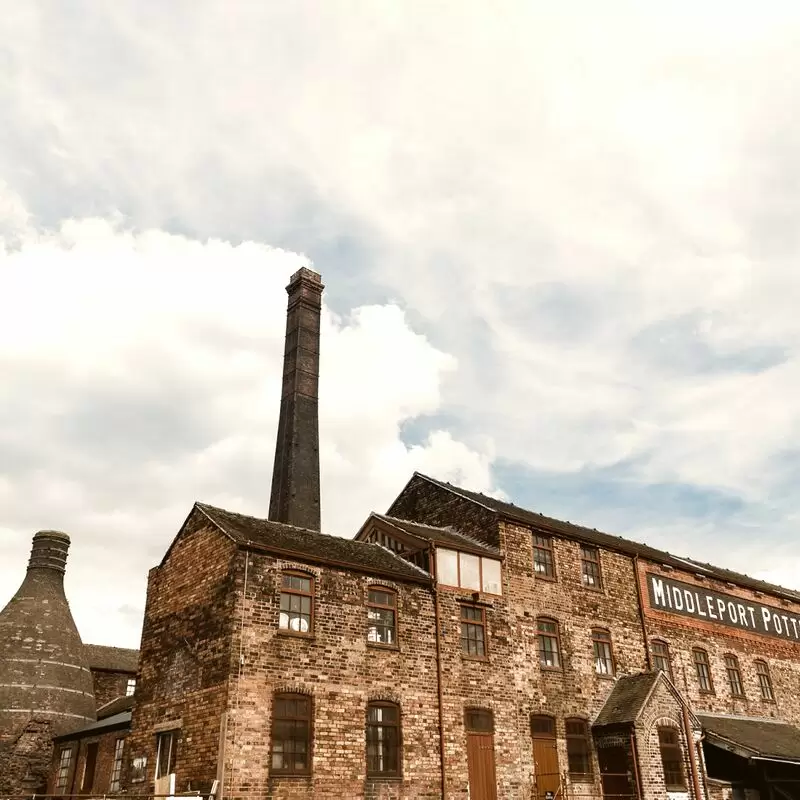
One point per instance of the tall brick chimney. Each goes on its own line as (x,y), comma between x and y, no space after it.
(295,477)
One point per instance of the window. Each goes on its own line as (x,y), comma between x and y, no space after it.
(543,727)
(478,720)
(130,688)
(116,770)
(473,631)
(543,562)
(64,764)
(291,735)
(603,655)
(549,646)
(579,756)
(671,759)
(383,739)
(297,601)
(734,675)
(661,659)
(703,670)
(467,571)
(590,567)
(764,682)
(381,616)
(165,753)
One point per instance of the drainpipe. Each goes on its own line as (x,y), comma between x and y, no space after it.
(690,745)
(635,759)
(434,589)
(642,620)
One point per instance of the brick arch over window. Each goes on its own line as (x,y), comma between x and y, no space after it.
(666,742)
(384,696)
(292,688)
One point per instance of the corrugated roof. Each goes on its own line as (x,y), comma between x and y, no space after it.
(113,659)
(311,545)
(447,535)
(611,542)
(765,738)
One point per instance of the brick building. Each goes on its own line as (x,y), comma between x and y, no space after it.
(457,647)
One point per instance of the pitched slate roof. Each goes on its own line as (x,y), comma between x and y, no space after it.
(611,542)
(121,720)
(308,545)
(751,736)
(627,699)
(439,535)
(113,659)
(115,706)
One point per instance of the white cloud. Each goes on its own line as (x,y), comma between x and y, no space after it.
(141,372)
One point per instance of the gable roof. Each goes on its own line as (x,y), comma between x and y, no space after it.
(307,545)
(609,541)
(752,737)
(111,659)
(431,533)
(627,699)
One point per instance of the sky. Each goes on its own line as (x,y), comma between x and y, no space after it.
(559,244)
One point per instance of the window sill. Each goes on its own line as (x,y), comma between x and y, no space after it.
(552,670)
(595,589)
(708,692)
(483,659)
(384,778)
(293,635)
(540,576)
(292,776)
(394,648)
(582,777)
(605,676)
(676,789)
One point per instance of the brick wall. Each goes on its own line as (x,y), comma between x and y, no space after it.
(109,685)
(186,657)
(341,672)
(104,763)
(25,757)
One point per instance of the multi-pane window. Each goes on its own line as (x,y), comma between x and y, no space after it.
(468,571)
(382,616)
(473,631)
(291,735)
(734,675)
(590,567)
(672,759)
(764,681)
(703,670)
(544,564)
(478,720)
(661,659)
(383,739)
(130,687)
(297,603)
(549,645)
(64,764)
(116,770)
(603,655)
(579,756)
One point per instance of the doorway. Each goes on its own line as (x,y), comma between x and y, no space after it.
(165,763)
(615,773)
(480,754)
(547,774)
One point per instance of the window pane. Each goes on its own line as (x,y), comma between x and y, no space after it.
(491,576)
(447,567)
(479,721)
(470,572)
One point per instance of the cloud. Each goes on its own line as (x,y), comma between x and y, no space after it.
(590,210)
(141,372)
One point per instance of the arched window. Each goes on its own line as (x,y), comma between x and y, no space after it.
(579,753)
(672,759)
(291,735)
(383,739)
(549,643)
(297,603)
(703,669)
(603,654)
(764,681)
(661,658)
(478,720)
(381,616)
(734,675)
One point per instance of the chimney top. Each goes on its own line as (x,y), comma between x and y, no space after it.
(49,551)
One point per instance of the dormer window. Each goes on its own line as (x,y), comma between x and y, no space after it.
(468,571)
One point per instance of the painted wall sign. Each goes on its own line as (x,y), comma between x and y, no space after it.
(693,601)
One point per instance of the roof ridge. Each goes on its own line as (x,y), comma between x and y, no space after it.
(203,506)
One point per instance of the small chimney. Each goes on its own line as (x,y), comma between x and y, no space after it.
(295,477)
(49,551)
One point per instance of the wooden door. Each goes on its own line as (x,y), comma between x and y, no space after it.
(547,775)
(615,773)
(480,754)
(165,763)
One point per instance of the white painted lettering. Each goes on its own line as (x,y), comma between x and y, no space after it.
(721,608)
(732,611)
(677,598)
(767,616)
(699,607)
(689,601)
(794,625)
(776,621)
(658,591)
(785,623)
(752,615)
(711,613)
(742,614)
